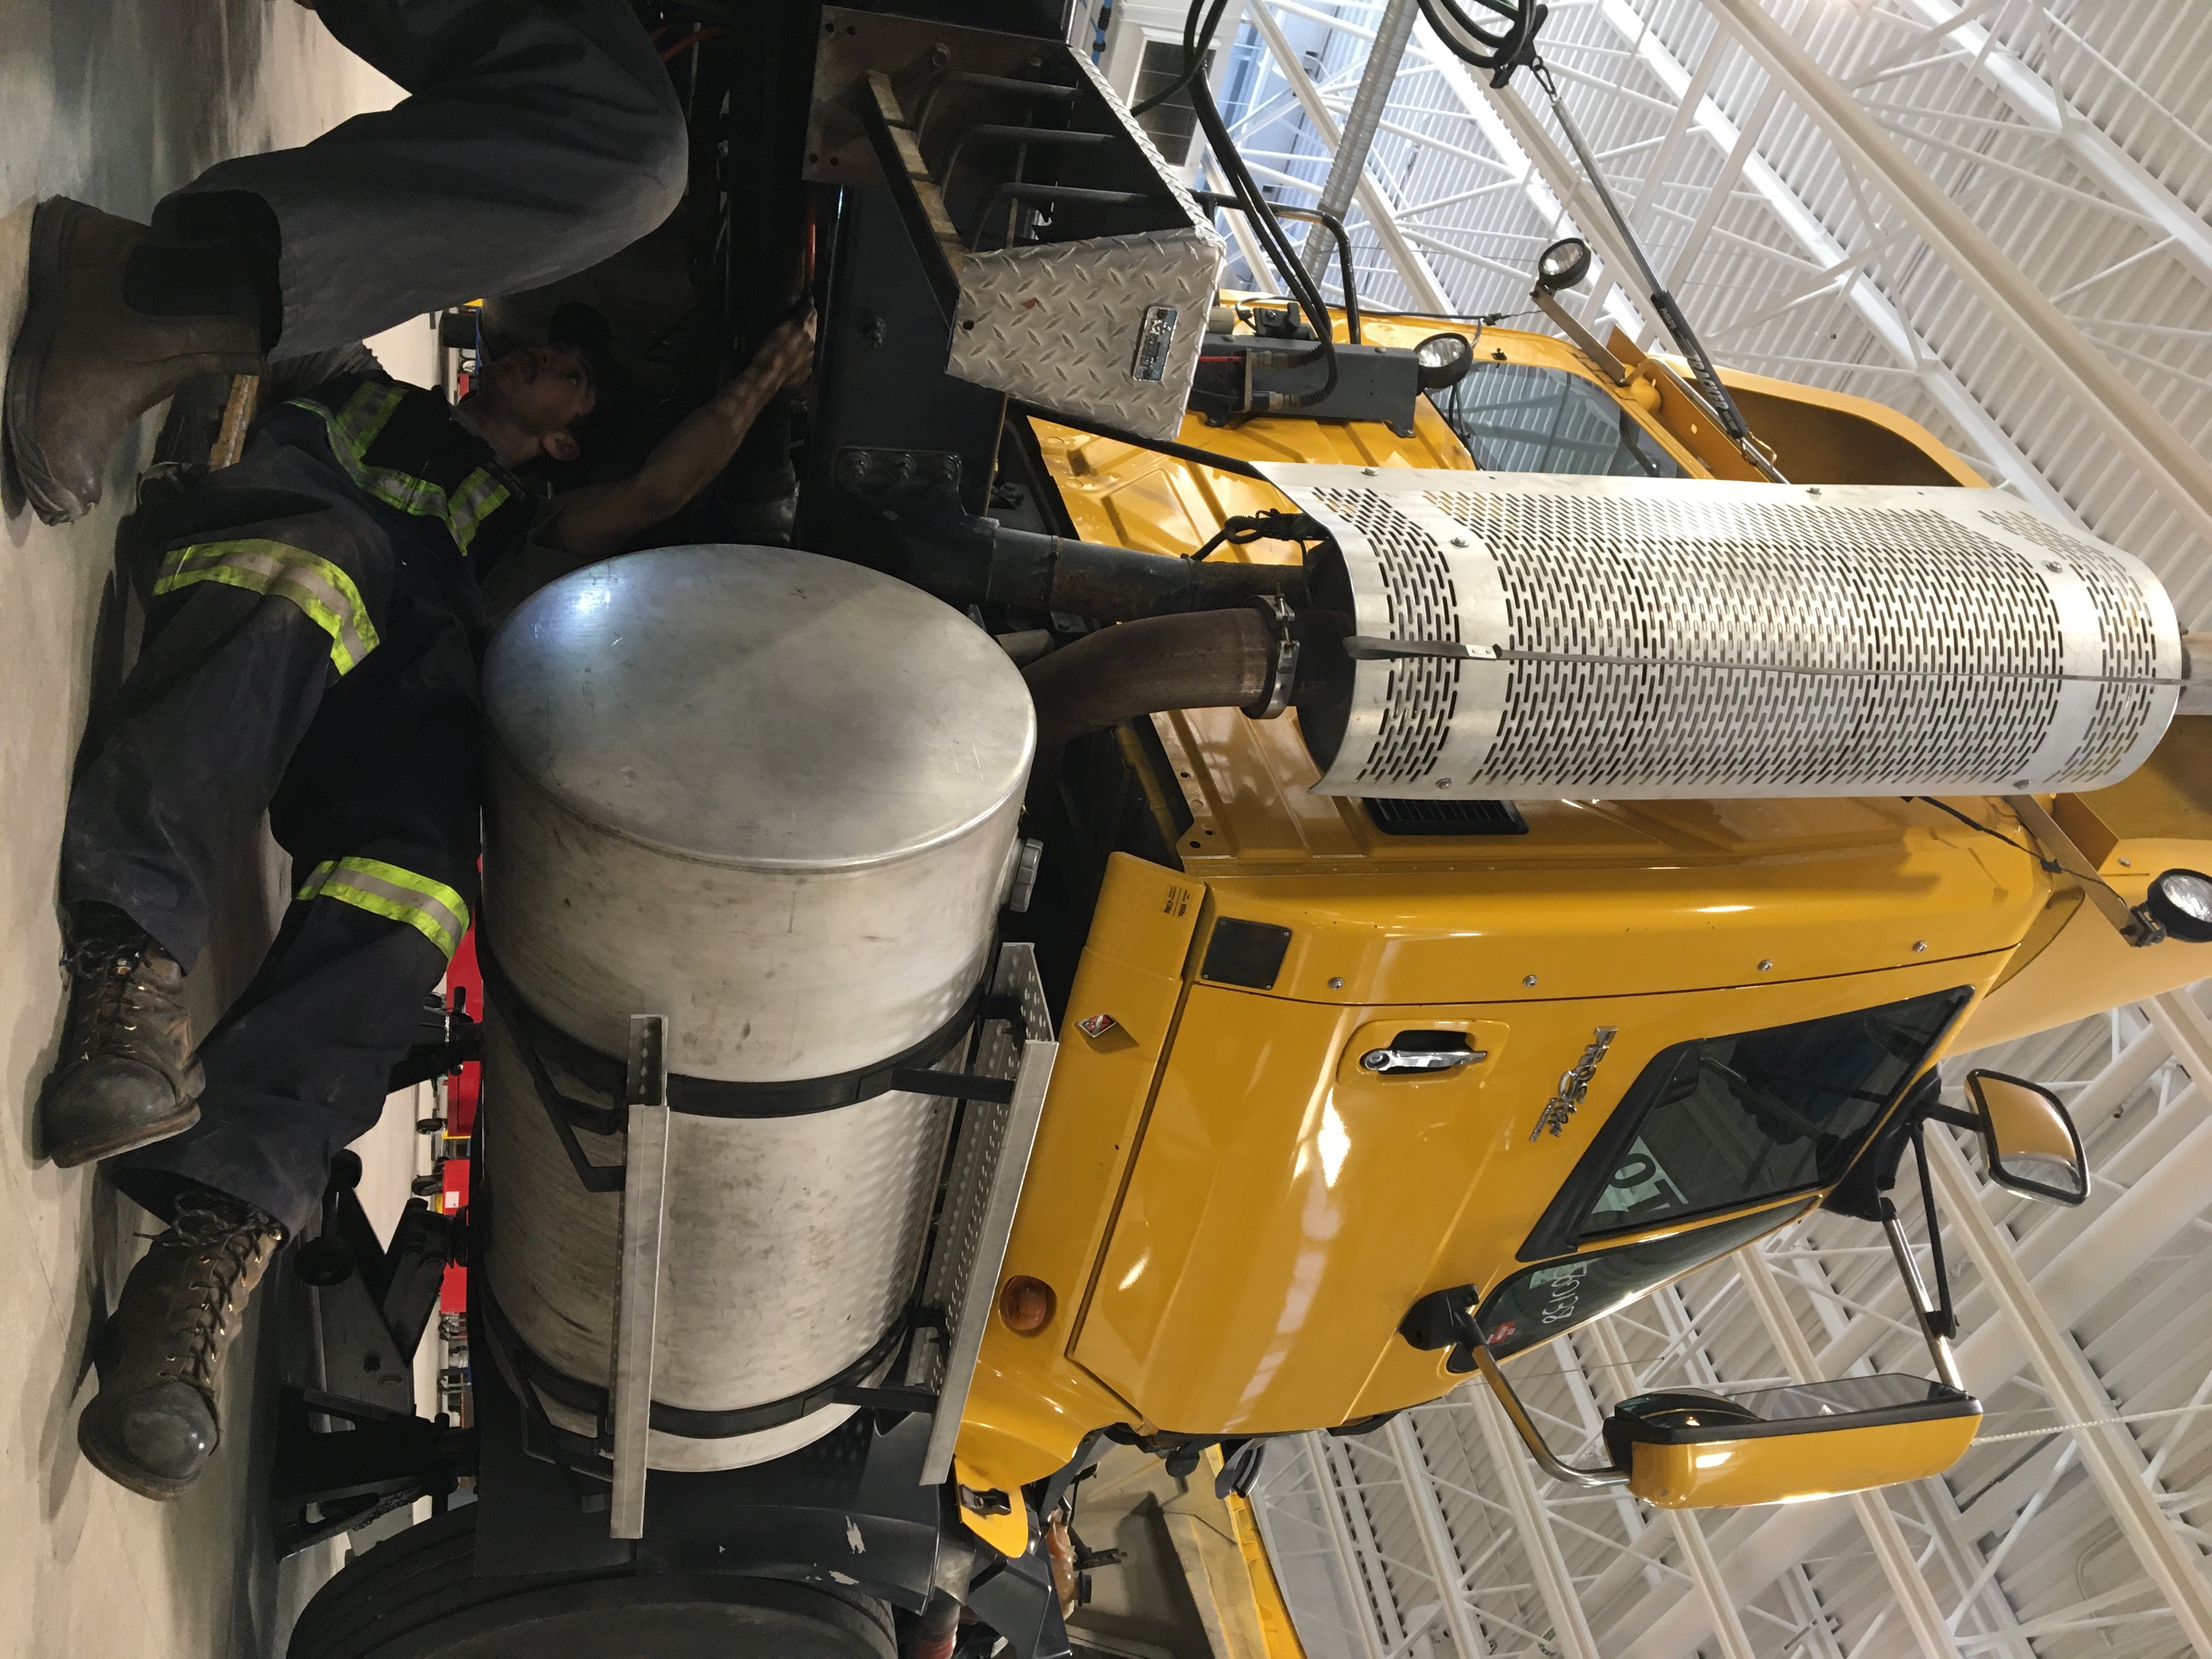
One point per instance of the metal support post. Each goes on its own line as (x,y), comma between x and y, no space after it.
(2043,110)
(1739,146)
(1348,165)
(644,1208)
(1344,1478)
(2077,365)
(2188,1033)
(1688,1529)
(1436,1537)
(1413,270)
(1339,1538)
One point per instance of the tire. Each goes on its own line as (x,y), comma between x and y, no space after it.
(415,1596)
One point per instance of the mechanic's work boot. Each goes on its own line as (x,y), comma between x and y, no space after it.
(155,1421)
(126,1077)
(86,362)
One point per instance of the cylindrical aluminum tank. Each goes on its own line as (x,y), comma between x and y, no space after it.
(774,797)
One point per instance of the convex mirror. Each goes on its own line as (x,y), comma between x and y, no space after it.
(2034,1148)
(1687,1449)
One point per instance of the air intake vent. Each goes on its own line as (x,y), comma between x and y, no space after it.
(1446,817)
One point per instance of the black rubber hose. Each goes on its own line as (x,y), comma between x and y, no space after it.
(1036,572)
(981,562)
(1260,214)
(1214,198)
(1193,59)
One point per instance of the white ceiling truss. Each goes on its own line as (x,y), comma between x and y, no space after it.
(2077,1525)
(1989,215)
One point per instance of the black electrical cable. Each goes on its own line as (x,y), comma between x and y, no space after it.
(1498,54)
(1191,63)
(1242,469)
(2050,866)
(1269,523)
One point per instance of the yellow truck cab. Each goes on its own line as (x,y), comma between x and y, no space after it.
(1666,1028)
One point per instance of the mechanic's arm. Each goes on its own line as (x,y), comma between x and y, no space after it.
(592,523)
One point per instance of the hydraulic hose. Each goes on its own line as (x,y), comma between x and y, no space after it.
(1210,659)
(1260,213)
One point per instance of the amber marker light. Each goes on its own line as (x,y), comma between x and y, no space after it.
(1026,1304)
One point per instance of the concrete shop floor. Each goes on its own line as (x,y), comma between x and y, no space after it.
(116,102)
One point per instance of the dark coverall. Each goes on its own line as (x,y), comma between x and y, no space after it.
(312,641)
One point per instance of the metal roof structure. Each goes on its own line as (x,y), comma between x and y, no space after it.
(1991,217)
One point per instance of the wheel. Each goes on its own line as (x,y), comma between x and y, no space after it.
(415,1597)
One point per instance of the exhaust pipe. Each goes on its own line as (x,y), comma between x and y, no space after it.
(936,1629)
(984,562)
(1203,660)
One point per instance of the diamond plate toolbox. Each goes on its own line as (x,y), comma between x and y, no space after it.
(1107,328)
(1098,310)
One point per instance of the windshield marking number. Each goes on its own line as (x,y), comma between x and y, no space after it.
(1574,1084)
(1563,1294)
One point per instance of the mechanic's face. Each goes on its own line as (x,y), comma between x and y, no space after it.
(543,391)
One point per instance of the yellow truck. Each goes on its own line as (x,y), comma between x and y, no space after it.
(1472,837)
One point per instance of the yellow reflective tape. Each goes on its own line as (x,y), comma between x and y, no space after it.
(308,580)
(365,415)
(355,427)
(430,908)
(479,496)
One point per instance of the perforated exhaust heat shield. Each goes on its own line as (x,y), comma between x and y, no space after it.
(1537,636)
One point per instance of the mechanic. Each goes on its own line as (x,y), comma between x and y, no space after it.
(310,651)
(539,136)
(315,625)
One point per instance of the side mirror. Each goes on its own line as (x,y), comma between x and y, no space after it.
(1687,1449)
(2034,1148)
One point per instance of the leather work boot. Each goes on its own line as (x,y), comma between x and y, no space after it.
(126,1077)
(86,364)
(155,1421)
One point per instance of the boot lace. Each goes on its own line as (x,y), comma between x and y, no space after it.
(110,991)
(224,1243)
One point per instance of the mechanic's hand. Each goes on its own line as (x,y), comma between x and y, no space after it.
(787,357)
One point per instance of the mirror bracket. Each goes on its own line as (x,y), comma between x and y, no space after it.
(1533,1437)
(1928,1316)
(2134,923)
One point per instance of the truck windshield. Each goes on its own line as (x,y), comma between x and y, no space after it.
(1723,1121)
(1538,1303)
(1517,417)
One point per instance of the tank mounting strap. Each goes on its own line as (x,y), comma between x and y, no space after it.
(847,1388)
(906,1072)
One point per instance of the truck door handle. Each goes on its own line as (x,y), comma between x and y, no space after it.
(1405,1059)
